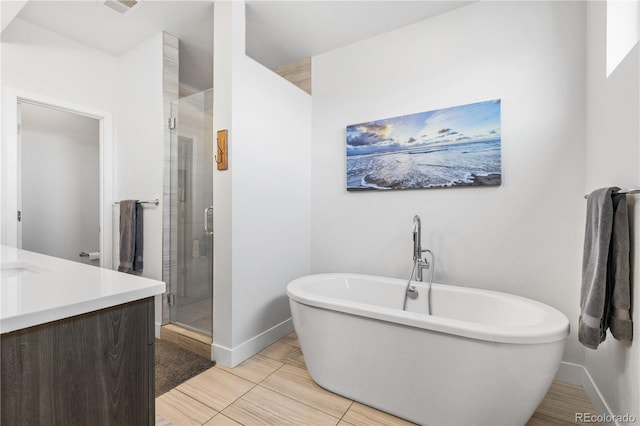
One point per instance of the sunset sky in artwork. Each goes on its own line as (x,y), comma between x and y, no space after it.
(462,124)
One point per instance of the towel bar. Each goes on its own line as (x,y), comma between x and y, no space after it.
(154,202)
(624,191)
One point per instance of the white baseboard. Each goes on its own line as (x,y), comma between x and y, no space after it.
(578,375)
(597,400)
(230,357)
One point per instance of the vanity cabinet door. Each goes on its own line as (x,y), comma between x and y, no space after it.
(92,369)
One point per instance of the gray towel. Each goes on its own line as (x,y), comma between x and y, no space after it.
(619,317)
(605,267)
(131,237)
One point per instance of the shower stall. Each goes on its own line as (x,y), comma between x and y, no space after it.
(188,216)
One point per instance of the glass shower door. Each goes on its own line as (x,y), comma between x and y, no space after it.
(191,189)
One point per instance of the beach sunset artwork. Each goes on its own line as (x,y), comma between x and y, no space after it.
(450,147)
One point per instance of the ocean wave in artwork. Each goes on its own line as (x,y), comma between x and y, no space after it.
(465,164)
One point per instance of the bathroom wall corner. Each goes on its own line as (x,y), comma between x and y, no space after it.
(266,242)
(613,159)
(577,374)
(231,357)
(222,181)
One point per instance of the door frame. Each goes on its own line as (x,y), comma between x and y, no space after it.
(14,97)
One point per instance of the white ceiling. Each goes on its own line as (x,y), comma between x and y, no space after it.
(283,32)
(94,24)
(278,32)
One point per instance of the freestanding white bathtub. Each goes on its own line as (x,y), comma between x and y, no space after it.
(481,358)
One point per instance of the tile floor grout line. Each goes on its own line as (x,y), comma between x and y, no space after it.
(218,412)
(229,417)
(267,356)
(237,399)
(196,400)
(348,408)
(283,362)
(272,373)
(253,387)
(300,402)
(244,378)
(192,398)
(285,343)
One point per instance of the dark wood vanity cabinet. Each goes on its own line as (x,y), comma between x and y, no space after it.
(91,369)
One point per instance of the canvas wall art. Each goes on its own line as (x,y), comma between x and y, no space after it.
(450,147)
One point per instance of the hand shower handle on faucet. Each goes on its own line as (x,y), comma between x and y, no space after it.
(420,262)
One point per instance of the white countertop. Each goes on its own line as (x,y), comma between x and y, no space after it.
(36,289)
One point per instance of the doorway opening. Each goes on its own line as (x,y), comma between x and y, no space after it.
(42,177)
(59,168)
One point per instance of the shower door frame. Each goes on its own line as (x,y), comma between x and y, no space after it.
(171,258)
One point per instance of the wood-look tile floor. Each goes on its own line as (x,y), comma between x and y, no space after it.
(274,388)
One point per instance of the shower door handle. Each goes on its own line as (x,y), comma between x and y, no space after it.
(206,220)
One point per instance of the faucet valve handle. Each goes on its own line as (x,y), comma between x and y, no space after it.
(423,263)
(412,292)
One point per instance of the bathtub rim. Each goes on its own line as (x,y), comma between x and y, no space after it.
(553,327)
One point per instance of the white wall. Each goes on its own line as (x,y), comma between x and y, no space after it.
(613,159)
(40,62)
(271,203)
(523,237)
(140,150)
(140,154)
(269,174)
(60,182)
